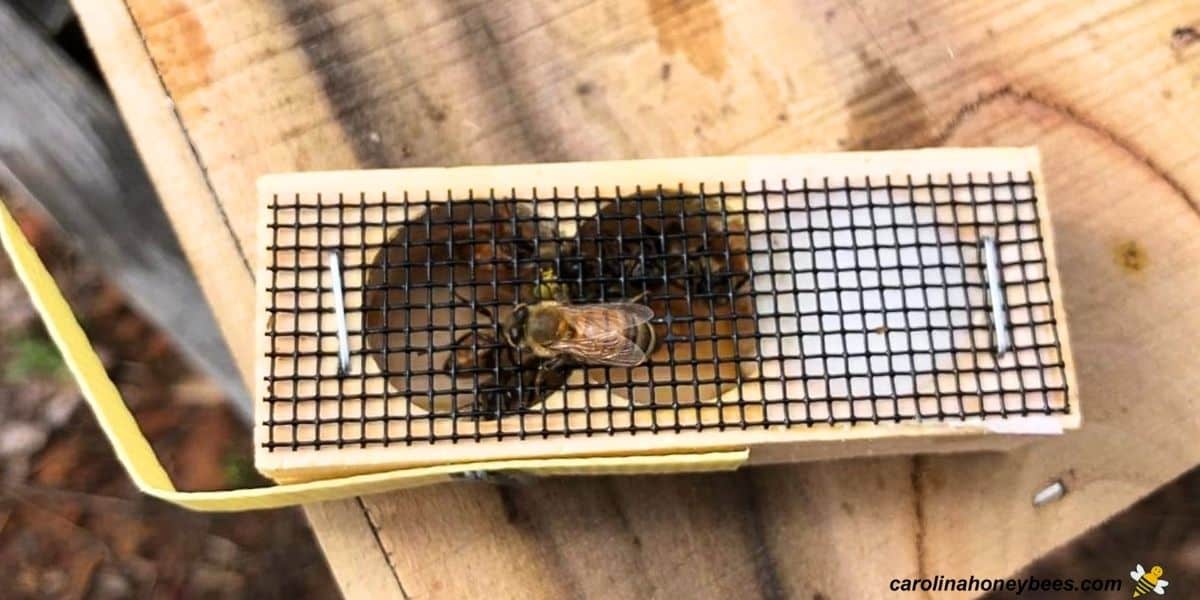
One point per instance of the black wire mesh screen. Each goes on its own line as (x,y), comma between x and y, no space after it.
(776,304)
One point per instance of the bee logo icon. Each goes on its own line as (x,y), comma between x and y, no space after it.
(1145,582)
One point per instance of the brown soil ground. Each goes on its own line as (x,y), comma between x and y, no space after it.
(72,525)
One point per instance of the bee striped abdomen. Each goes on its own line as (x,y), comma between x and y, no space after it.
(1143,586)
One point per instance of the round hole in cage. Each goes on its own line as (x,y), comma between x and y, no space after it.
(443,291)
(685,256)
(415,318)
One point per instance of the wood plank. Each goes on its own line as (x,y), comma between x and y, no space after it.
(174,168)
(1132,271)
(353,550)
(72,156)
(264,86)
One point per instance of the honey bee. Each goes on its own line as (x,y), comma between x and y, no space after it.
(617,334)
(550,288)
(496,248)
(504,384)
(1146,582)
(509,381)
(581,312)
(474,351)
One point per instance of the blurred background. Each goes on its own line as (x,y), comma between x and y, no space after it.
(71,523)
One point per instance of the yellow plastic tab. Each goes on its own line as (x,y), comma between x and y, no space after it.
(147,472)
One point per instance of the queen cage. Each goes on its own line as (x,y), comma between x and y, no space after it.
(896,301)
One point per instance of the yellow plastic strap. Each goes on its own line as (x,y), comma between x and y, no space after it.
(147,472)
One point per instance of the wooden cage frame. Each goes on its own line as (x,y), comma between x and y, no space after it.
(813,442)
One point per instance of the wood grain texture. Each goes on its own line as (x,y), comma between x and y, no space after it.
(353,550)
(1101,87)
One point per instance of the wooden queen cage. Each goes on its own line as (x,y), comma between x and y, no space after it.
(803,307)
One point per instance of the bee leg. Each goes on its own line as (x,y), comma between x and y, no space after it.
(539,375)
(542,369)
(507,328)
(473,351)
(561,294)
(486,311)
(551,365)
(479,306)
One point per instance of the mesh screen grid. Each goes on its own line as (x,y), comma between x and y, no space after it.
(777,304)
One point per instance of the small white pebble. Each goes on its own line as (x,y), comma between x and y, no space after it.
(374,137)
(109,583)
(54,582)
(221,551)
(21,438)
(59,408)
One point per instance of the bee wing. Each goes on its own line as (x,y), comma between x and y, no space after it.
(1137,573)
(1159,587)
(613,349)
(602,333)
(611,317)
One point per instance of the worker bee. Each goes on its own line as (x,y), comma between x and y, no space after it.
(550,288)
(503,384)
(508,380)
(661,242)
(493,252)
(557,302)
(617,334)
(477,347)
(474,351)
(1145,583)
